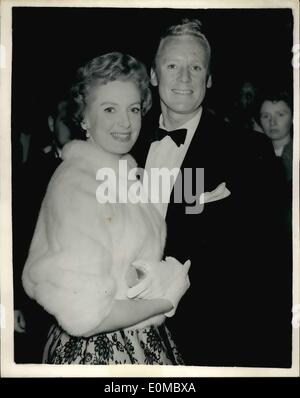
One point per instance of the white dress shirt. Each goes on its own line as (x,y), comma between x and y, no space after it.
(166,154)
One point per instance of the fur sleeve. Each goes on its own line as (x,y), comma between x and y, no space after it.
(68,270)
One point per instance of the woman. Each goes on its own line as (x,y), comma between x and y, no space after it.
(276,120)
(275,115)
(96,264)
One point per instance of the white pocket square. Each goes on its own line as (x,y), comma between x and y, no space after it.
(219,193)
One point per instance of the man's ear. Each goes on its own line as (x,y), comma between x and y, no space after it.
(209,82)
(153,78)
(51,123)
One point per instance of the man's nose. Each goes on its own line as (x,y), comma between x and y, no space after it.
(184,74)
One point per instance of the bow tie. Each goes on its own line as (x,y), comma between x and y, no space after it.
(178,136)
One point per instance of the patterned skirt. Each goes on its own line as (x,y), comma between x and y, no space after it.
(152,345)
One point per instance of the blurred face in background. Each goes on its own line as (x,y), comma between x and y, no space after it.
(247,95)
(57,125)
(276,120)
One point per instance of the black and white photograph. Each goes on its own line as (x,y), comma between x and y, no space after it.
(150,188)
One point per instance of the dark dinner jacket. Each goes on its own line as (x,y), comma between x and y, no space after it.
(237,311)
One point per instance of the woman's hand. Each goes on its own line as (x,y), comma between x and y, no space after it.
(178,286)
(165,279)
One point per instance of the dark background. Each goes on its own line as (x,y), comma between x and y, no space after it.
(49,44)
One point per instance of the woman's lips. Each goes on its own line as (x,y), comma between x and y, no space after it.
(121,137)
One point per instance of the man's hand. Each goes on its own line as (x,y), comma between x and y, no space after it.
(165,279)
(155,277)
(19,322)
(178,286)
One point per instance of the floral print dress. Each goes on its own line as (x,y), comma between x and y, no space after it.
(152,345)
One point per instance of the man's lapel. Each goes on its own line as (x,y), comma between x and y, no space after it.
(206,151)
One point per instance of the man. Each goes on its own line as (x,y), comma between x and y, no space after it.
(237,311)
(59,126)
(46,157)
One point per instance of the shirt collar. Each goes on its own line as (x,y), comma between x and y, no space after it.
(279,151)
(190,125)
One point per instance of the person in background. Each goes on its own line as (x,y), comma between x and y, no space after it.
(276,119)
(59,128)
(31,322)
(275,116)
(242,114)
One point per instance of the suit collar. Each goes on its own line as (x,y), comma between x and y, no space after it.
(189,125)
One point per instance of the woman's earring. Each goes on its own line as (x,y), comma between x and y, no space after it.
(84,127)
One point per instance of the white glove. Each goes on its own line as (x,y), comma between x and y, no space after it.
(155,279)
(178,286)
(165,279)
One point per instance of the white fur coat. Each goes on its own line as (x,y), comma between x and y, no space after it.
(81,250)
